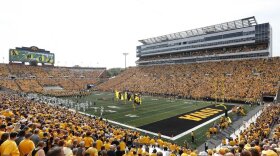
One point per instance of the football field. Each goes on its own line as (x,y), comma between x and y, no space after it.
(155,114)
(151,110)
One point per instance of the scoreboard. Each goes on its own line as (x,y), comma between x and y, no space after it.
(20,55)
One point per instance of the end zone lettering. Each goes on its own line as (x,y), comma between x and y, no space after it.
(201,114)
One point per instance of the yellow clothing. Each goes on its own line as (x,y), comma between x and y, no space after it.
(88,141)
(41,133)
(92,151)
(8,114)
(146,140)
(139,151)
(160,142)
(9,147)
(231,143)
(224,141)
(122,146)
(152,141)
(99,144)
(107,146)
(79,139)
(172,147)
(26,146)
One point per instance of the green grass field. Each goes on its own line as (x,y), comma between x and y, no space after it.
(152,109)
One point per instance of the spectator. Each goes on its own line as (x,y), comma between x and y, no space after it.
(9,147)
(26,145)
(35,137)
(56,151)
(39,151)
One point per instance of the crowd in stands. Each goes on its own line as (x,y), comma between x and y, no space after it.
(256,140)
(29,85)
(243,80)
(11,84)
(26,78)
(29,128)
(81,82)
(4,72)
(208,52)
(276,133)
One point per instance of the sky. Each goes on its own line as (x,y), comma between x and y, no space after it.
(96,33)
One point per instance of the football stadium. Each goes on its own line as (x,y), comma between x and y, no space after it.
(212,90)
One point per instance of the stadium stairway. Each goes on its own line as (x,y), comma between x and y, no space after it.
(19,87)
(39,83)
(74,83)
(100,81)
(216,140)
(278,94)
(275,125)
(102,74)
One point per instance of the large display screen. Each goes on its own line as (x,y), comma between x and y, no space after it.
(27,56)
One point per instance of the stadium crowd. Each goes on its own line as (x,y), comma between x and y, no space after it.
(243,80)
(28,79)
(257,139)
(29,128)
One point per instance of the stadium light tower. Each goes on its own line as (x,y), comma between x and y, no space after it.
(125,54)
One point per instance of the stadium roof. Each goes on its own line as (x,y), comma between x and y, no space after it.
(237,24)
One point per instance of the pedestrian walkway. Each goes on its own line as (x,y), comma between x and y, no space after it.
(238,122)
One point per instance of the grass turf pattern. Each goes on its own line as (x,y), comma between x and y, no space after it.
(153,109)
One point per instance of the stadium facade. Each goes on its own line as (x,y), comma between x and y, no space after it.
(235,40)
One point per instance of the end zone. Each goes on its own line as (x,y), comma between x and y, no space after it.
(183,124)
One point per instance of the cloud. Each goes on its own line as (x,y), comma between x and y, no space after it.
(96,33)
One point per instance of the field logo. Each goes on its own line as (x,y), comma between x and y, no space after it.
(201,114)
